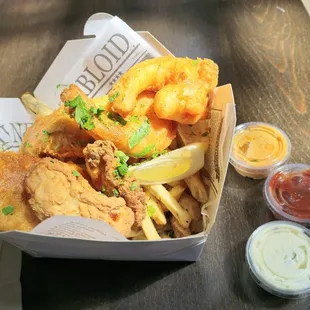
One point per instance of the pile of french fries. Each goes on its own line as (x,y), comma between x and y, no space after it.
(176,206)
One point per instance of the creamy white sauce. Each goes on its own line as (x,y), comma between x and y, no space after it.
(280,254)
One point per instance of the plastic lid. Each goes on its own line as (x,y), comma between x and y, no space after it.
(258,148)
(287,193)
(278,257)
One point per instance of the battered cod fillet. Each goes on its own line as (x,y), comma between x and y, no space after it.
(13,170)
(55,135)
(101,164)
(110,126)
(55,189)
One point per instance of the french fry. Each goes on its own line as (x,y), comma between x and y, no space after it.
(149,229)
(172,205)
(197,188)
(179,231)
(175,183)
(177,191)
(157,213)
(192,206)
(35,105)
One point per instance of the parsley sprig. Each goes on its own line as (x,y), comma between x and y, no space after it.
(145,151)
(122,168)
(114,96)
(46,135)
(116,118)
(139,134)
(80,112)
(8,210)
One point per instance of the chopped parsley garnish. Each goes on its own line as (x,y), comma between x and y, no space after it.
(150,210)
(76,173)
(100,110)
(103,189)
(115,192)
(156,154)
(27,144)
(195,62)
(123,158)
(81,114)
(46,135)
(133,186)
(205,134)
(52,161)
(61,85)
(96,111)
(8,210)
(116,174)
(93,110)
(145,151)
(114,96)
(122,168)
(116,118)
(134,118)
(139,134)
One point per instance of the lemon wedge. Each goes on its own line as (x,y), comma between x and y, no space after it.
(172,166)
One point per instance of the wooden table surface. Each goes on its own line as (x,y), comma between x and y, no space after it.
(262,48)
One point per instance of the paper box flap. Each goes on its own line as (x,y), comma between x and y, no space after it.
(95,64)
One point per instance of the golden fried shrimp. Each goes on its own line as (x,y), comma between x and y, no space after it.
(112,127)
(182,84)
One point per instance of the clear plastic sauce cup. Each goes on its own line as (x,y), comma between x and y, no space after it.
(259,148)
(287,193)
(278,257)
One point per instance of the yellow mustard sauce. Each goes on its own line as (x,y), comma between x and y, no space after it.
(260,145)
(258,148)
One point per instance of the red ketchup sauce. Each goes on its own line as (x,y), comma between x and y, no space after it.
(291,190)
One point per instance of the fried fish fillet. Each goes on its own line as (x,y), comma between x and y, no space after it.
(55,189)
(110,126)
(55,135)
(182,87)
(13,170)
(101,164)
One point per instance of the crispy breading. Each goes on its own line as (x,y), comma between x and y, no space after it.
(13,170)
(55,135)
(182,87)
(55,189)
(101,164)
(109,127)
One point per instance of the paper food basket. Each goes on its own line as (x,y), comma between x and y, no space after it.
(95,64)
